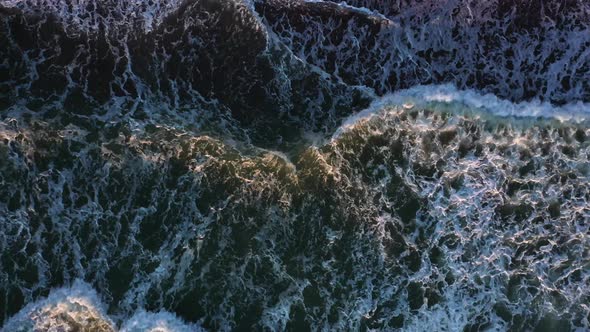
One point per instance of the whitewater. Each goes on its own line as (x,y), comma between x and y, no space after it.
(294,165)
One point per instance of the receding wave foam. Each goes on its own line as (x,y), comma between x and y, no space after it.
(518,50)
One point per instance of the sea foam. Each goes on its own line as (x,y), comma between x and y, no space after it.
(447,98)
(80,307)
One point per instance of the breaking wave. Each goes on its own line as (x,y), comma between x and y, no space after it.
(447,98)
(294,165)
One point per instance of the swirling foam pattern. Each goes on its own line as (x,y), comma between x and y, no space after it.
(295,165)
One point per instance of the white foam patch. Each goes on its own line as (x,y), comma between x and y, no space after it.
(78,303)
(161,321)
(79,307)
(447,97)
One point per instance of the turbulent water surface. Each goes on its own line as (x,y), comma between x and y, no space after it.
(208,165)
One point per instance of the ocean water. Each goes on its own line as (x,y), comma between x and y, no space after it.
(291,165)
